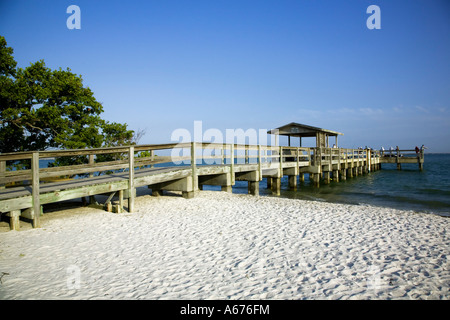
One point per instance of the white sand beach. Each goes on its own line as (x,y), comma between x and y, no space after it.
(229,246)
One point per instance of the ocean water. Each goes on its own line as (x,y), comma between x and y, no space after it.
(408,189)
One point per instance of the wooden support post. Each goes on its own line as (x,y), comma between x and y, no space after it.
(336,175)
(121,201)
(326,177)
(14,222)
(156,190)
(108,200)
(316,179)
(421,159)
(292,183)
(269,183)
(253,188)
(228,189)
(276,181)
(188,194)
(343,175)
(302,177)
(131,188)
(35,190)
(276,186)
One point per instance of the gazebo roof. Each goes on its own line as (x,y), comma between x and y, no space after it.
(294,129)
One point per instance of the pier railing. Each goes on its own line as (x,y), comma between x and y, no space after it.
(23,167)
(403,156)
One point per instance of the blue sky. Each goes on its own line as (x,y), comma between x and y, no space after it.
(161,65)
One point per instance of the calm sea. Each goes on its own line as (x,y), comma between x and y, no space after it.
(409,189)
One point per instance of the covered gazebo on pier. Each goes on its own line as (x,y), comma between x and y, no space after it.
(294,129)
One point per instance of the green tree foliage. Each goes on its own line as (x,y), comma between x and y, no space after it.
(42,108)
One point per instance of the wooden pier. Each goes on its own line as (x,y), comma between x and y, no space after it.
(24,192)
(184,167)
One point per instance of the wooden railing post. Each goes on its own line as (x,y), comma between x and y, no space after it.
(259,162)
(194,166)
(35,194)
(281,159)
(233,178)
(223,160)
(152,158)
(247,159)
(2,172)
(131,189)
(91,175)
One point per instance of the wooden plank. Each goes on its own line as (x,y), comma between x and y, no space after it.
(82,169)
(110,197)
(82,152)
(15,156)
(16,203)
(83,191)
(162,177)
(212,169)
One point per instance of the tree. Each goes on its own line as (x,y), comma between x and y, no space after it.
(42,108)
